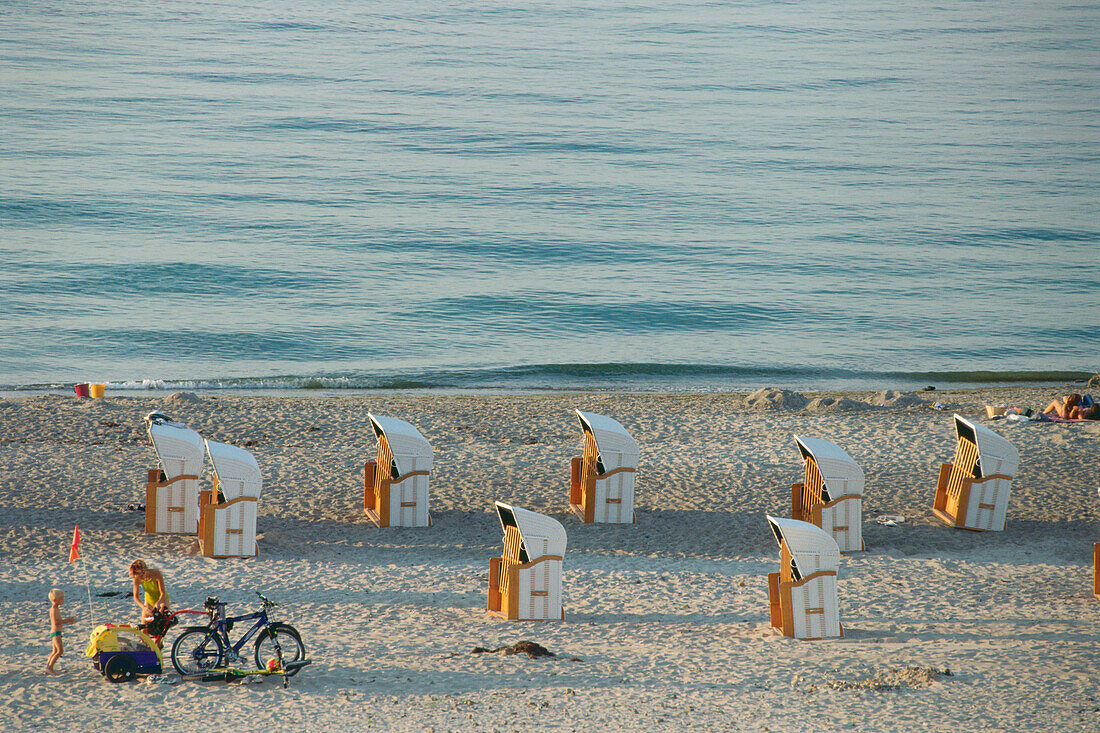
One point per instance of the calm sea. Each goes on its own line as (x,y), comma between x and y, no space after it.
(523,195)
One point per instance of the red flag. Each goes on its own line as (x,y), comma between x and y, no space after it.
(74,549)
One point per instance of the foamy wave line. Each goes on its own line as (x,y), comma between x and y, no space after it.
(238,383)
(620,377)
(243,383)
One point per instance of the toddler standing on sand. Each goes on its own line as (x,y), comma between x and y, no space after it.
(56,622)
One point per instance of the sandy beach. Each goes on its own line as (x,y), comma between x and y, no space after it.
(666,620)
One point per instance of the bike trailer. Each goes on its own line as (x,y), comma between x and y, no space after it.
(122,652)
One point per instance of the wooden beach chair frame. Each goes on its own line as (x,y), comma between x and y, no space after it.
(172,489)
(229,508)
(602,481)
(973,490)
(1096,570)
(802,596)
(525,581)
(395,483)
(830,495)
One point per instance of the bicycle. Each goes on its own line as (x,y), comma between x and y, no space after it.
(203,649)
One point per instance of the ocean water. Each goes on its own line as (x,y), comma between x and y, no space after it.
(526,195)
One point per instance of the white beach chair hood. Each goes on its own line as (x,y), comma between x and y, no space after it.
(541,535)
(812,548)
(995,454)
(840,473)
(404,441)
(610,436)
(237,470)
(179,448)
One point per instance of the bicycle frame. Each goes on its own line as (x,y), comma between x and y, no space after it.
(221,627)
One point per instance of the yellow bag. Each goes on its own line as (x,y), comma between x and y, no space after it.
(102,640)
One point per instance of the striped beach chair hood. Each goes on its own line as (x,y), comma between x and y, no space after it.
(405,441)
(837,468)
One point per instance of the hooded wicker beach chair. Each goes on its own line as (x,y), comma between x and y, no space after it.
(172,489)
(831,493)
(972,492)
(525,581)
(228,520)
(802,595)
(395,484)
(601,482)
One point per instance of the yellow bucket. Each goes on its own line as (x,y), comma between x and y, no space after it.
(96,390)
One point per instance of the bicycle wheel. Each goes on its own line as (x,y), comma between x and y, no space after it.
(281,643)
(197,650)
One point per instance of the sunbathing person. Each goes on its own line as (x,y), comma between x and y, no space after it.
(1065,407)
(1087,410)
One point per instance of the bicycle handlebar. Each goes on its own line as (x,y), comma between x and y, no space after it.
(212,604)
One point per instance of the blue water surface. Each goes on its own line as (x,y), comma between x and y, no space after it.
(645,195)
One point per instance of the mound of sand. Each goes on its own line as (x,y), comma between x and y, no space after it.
(893,679)
(769,398)
(893,398)
(836,404)
(182,398)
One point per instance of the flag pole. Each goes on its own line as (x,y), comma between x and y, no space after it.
(74,555)
(88,585)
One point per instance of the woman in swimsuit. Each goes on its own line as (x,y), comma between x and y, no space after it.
(1065,407)
(150,583)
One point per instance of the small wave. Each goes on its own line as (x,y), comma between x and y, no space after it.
(990,377)
(140,384)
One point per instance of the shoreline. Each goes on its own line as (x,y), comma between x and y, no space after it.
(279,392)
(666,620)
(632,378)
